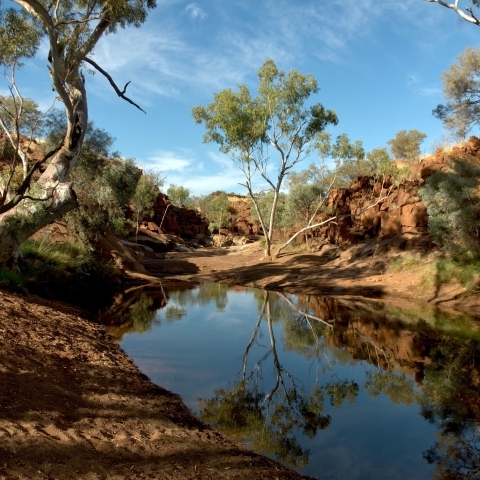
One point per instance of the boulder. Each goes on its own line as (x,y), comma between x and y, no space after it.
(220,241)
(111,248)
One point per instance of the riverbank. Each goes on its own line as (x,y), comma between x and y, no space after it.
(394,276)
(73,406)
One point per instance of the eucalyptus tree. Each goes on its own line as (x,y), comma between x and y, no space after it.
(406,144)
(72,30)
(278,117)
(461,88)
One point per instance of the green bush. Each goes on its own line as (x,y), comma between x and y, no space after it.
(453,206)
(63,272)
(444,271)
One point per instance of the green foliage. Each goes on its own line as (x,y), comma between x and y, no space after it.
(244,126)
(443,271)
(217,209)
(405,263)
(146,193)
(60,272)
(453,206)
(397,386)
(178,194)
(461,88)
(104,187)
(21,116)
(265,200)
(406,144)
(382,163)
(11,280)
(301,203)
(20,37)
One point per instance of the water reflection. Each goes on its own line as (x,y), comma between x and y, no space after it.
(267,411)
(416,357)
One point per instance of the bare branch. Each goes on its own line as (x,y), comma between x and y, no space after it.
(113,84)
(333,220)
(305,314)
(454,6)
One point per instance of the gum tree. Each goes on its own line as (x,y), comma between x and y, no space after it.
(461,88)
(72,30)
(277,122)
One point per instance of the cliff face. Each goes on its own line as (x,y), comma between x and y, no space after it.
(181,221)
(401,216)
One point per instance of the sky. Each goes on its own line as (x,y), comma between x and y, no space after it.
(377,63)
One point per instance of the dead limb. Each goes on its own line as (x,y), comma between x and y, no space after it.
(305,314)
(330,220)
(113,84)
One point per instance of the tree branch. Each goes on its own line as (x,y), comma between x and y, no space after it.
(20,194)
(454,6)
(113,84)
(38,11)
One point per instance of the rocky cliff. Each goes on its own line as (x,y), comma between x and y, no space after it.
(400,218)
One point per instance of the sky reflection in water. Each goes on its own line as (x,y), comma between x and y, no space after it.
(374,394)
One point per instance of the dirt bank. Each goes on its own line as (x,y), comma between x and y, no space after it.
(73,406)
(352,270)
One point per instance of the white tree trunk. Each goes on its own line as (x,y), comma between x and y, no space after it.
(53,193)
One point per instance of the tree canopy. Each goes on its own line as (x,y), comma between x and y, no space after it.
(406,144)
(244,126)
(461,88)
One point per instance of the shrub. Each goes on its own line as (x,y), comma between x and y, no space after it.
(453,206)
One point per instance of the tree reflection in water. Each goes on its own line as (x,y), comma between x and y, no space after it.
(269,417)
(268,407)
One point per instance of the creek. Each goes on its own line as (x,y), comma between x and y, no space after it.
(334,387)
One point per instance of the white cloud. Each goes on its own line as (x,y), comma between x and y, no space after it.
(429,91)
(195,11)
(219,173)
(169,161)
(412,79)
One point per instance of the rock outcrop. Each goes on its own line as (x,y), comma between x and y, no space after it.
(183,222)
(400,218)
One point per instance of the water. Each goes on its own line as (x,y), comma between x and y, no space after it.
(335,388)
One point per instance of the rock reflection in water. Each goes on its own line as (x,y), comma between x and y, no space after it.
(418,356)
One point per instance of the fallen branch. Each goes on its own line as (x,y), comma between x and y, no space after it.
(301,312)
(332,219)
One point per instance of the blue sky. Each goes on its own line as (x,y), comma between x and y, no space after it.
(377,63)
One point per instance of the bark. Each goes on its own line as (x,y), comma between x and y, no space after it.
(54,196)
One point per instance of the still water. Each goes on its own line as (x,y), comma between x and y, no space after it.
(335,388)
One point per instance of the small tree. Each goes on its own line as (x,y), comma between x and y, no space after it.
(146,193)
(461,88)
(216,207)
(278,117)
(381,163)
(178,194)
(406,144)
